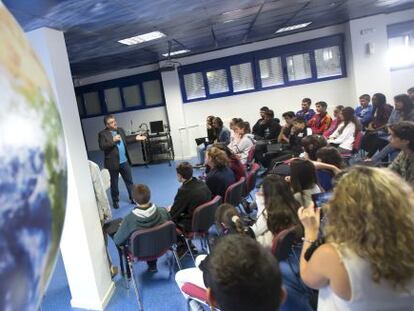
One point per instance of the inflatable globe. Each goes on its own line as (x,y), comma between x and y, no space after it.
(33,172)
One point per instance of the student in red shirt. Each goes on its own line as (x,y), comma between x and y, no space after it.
(321,120)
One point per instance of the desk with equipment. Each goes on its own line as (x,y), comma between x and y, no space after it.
(156,148)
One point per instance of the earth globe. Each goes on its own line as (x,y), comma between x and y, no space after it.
(33,173)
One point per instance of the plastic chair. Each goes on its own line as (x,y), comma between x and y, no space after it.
(195,293)
(251,180)
(150,244)
(203,219)
(356,146)
(234,193)
(250,157)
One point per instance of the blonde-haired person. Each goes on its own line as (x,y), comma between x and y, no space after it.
(367,262)
(220,175)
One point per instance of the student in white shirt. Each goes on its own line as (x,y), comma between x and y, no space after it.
(243,141)
(344,135)
(366,262)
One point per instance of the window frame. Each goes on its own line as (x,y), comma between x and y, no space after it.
(400,30)
(120,83)
(254,58)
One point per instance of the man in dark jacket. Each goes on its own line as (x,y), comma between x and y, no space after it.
(144,216)
(112,141)
(191,194)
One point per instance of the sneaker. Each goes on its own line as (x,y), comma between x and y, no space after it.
(115,205)
(152,268)
(114,271)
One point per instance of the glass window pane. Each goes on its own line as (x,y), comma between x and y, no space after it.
(217,81)
(152,92)
(400,51)
(132,96)
(328,62)
(242,77)
(299,67)
(113,99)
(92,103)
(194,85)
(80,105)
(271,72)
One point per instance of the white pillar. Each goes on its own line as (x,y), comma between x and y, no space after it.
(369,43)
(82,244)
(175,112)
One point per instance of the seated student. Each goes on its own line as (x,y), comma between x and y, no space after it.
(410,93)
(403,111)
(321,120)
(241,275)
(311,144)
(259,127)
(402,137)
(294,149)
(236,166)
(271,127)
(211,136)
(227,221)
(190,195)
(344,135)
(306,113)
(335,122)
(231,126)
(243,141)
(222,132)
(283,138)
(276,206)
(330,155)
(370,229)
(220,177)
(145,215)
(376,129)
(303,180)
(364,111)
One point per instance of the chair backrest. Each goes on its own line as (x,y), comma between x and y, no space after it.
(152,242)
(357,142)
(251,178)
(203,216)
(283,242)
(234,193)
(250,154)
(325,178)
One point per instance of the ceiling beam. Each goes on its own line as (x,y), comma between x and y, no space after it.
(253,22)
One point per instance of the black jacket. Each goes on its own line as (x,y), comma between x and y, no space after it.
(107,145)
(190,195)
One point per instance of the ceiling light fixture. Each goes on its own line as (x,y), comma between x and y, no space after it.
(176,53)
(142,38)
(293,27)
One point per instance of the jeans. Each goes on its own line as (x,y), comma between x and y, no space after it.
(125,171)
(201,153)
(386,154)
(297,292)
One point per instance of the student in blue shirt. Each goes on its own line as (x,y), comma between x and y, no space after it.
(364,111)
(306,113)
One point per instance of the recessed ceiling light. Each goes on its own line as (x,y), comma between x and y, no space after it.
(176,53)
(293,27)
(142,38)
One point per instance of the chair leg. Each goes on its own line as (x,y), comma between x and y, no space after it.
(189,249)
(177,260)
(134,283)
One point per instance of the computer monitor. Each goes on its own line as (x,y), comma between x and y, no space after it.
(157,127)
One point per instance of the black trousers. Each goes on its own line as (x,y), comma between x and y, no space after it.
(372,143)
(125,171)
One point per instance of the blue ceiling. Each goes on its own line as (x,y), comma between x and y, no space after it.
(92,27)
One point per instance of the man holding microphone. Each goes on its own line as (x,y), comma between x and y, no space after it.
(112,141)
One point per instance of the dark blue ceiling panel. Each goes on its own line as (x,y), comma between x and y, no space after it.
(93,27)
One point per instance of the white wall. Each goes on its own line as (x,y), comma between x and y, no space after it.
(92,126)
(366,74)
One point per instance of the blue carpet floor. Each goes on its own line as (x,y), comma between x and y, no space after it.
(159,292)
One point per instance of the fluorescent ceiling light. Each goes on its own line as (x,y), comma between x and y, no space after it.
(176,53)
(293,27)
(142,38)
